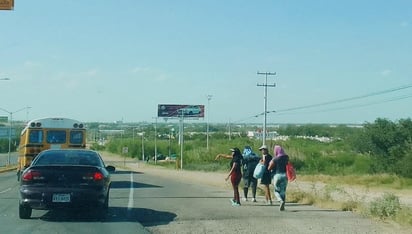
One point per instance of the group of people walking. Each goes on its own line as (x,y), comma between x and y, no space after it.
(242,165)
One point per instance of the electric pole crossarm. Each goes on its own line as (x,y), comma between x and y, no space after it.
(267,73)
(267,85)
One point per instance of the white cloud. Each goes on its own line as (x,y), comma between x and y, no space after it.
(140,69)
(404,24)
(151,74)
(31,64)
(386,72)
(162,77)
(71,84)
(92,72)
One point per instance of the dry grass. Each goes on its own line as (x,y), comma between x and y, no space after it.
(384,207)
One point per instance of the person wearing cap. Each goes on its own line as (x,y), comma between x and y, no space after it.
(250,160)
(280,180)
(235,173)
(266,179)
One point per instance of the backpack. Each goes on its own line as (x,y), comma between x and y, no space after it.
(290,172)
(249,163)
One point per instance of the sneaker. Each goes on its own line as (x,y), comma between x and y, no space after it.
(253,199)
(235,204)
(278,197)
(244,199)
(232,201)
(282,206)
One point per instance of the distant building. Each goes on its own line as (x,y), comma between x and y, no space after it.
(259,135)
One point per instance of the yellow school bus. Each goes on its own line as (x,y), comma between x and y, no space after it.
(48,133)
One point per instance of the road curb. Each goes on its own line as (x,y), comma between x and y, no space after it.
(6,169)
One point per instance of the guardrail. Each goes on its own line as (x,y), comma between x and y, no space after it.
(5,156)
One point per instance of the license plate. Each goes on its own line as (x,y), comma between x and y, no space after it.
(65,197)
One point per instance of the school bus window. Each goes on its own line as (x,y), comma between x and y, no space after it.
(76,137)
(36,136)
(56,137)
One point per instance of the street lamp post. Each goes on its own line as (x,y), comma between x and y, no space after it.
(10,128)
(209,97)
(133,133)
(171,134)
(142,134)
(27,113)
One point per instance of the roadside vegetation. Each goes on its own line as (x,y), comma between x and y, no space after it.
(376,153)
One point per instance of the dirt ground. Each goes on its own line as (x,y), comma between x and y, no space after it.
(217,179)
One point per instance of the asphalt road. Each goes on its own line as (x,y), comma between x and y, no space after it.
(142,201)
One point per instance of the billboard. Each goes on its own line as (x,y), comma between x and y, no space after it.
(4,119)
(168,110)
(6,4)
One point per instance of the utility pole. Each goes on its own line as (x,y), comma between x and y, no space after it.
(155,141)
(181,135)
(265,85)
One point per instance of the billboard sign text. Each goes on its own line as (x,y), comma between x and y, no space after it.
(167,110)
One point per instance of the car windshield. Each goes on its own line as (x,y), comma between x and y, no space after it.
(68,158)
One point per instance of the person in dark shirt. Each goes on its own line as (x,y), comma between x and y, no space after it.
(267,177)
(235,173)
(250,160)
(280,180)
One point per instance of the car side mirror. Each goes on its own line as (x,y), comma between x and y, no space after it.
(110,168)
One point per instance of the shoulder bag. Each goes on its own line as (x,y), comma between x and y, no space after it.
(259,170)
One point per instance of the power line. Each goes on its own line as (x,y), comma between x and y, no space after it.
(348,99)
(282,111)
(351,106)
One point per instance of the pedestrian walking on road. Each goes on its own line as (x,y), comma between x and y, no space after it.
(235,173)
(266,178)
(250,160)
(280,180)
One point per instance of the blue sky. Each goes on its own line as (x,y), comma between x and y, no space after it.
(101,60)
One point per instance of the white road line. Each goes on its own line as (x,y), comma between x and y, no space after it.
(5,191)
(131,202)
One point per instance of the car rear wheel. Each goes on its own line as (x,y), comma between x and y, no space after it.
(105,206)
(24,212)
(103,209)
(106,202)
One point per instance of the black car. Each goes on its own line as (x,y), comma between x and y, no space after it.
(65,178)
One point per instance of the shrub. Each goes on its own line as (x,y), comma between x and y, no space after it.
(300,196)
(387,206)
